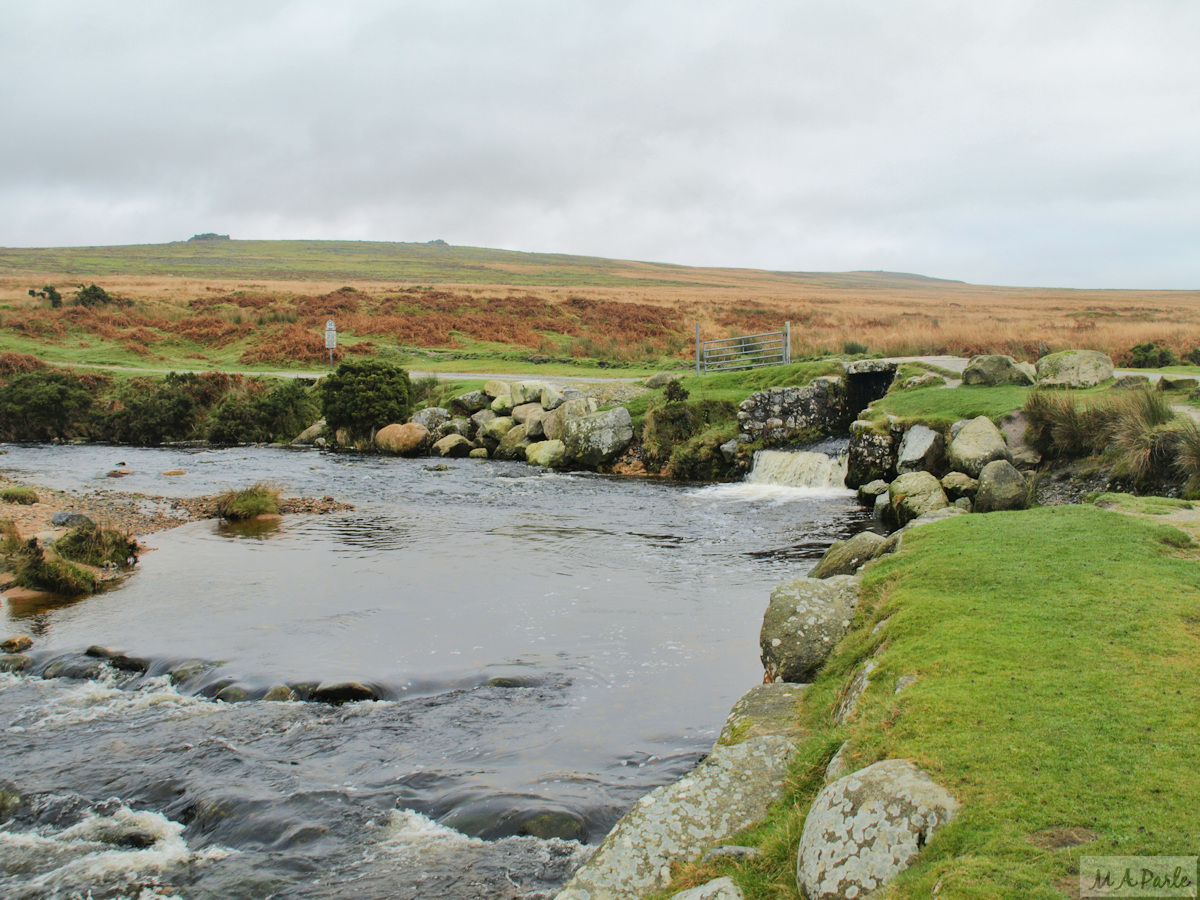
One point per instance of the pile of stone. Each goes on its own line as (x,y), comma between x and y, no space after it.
(523,420)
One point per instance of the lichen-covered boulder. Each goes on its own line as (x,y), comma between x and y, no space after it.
(1001,487)
(867,827)
(310,434)
(478,453)
(533,424)
(997,369)
(554,424)
(471,402)
(729,791)
(1131,382)
(804,620)
(1013,426)
(522,412)
(914,494)
(869,491)
(494,430)
(871,455)
(660,379)
(480,418)
(433,417)
(457,425)
(523,392)
(551,454)
(957,485)
(845,557)
(921,450)
(594,440)
(496,388)
(409,439)
(1074,369)
(978,443)
(453,446)
(513,444)
(502,405)
(552,397)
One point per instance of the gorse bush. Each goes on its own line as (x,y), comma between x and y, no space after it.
(1150,355)
(363,396)
(147,412)
(277,414)
(43,405)
(675,392)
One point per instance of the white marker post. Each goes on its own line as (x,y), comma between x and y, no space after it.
(330,340)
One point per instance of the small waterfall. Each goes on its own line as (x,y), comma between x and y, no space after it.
(801,469)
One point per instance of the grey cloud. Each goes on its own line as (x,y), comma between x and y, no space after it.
(1015,142)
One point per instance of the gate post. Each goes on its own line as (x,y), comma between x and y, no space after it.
(787,343)
(697,348)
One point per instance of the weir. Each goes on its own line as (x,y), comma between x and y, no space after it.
(801,468)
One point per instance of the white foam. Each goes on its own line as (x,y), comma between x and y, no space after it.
(81,702)
(800,469)
(89,853)
(746,492)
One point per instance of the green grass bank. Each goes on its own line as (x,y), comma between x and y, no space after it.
(1057,655)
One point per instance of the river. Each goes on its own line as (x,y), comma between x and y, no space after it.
(550,646)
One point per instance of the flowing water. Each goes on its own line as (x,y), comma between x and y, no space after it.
(549,646)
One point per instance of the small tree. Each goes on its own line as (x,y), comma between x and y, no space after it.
(362,396)
(92,295)
(48,292)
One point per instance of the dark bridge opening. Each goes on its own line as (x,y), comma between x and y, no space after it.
(866,381)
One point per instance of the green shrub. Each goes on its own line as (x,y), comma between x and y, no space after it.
(44,405)
(671,425)
(10,540)
(23,495)
(364,395)
(147,413)
(1150,355)
(93,295)
(700,458)
(95,545)
(854,348)
(48,292)
(675,392)
(257,500)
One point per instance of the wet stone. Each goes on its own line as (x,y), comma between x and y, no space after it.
(17,644)
(14,662)
(344,692)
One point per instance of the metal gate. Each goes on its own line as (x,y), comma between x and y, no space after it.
(750,351)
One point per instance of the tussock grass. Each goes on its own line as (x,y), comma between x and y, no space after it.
(1056,654)
(25,496)
(96,545)
(257,500)
(37,569)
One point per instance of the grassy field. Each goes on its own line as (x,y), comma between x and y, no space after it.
(263,304)
(1057,661)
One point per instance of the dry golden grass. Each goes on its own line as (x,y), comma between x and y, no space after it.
(891,314)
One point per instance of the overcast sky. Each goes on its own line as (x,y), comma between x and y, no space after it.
(1034,143)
